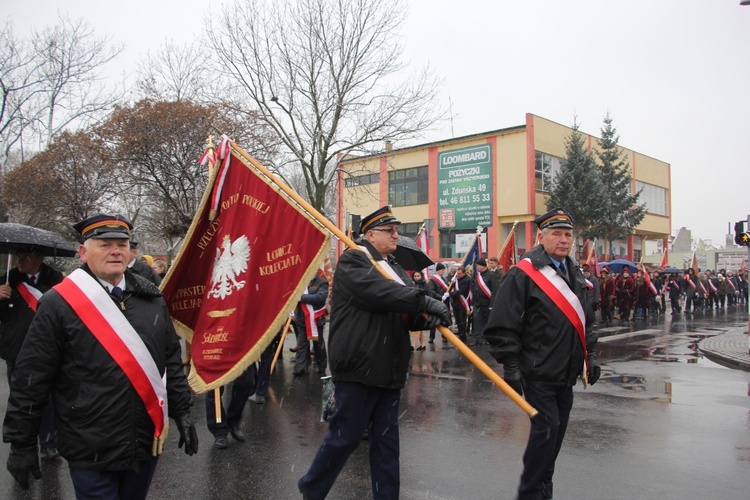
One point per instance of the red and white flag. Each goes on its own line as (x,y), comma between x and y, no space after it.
(239,274)
(423,244)
(592,260)
(665,259)
(508,257)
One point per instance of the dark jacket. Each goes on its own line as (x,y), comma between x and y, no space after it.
(316,296)
(15,313)
(479,298)
(101,421)
(145,271)
(370,321)
(526,324)
(462,287)
(434,289)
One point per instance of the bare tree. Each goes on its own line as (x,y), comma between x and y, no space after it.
(175,73)
(19,82)
(71,60)
(323,74)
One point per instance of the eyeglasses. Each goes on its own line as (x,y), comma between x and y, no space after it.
(391,231)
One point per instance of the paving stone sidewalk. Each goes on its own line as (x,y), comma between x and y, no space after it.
(730,349)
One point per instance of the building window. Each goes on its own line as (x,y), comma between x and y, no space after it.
(361,180)
(407,187)
(654,197)
(448,244)
(546,168)
(409,229)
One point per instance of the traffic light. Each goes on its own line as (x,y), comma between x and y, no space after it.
(740,236)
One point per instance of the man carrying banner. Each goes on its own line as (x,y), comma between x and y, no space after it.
(18,303)
(538,330)
(309,320)
(103,344)
(371,317)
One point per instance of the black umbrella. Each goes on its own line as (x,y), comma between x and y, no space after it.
(671,270)
(410,256)
(14,237)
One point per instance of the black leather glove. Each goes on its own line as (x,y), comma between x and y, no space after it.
(188,435)
(435,309)
(512,375)
(595,370)
(22,461)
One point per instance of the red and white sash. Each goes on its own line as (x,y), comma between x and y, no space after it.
(730,283)
(712,286)
(562,296)
(311,317)
(29,294)
(440,281)
(483,286)
(93,305)
(690,282)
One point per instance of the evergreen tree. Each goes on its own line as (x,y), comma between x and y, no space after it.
(577,187)
(622,213)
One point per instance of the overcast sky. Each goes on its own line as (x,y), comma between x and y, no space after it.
(673,74)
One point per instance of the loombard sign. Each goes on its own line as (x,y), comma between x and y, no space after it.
(465,188)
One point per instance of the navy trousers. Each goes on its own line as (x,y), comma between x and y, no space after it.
(114,485)
(359,407)
(545,438)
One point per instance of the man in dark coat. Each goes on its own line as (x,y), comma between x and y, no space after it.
(483,286)
(460,300)
(309,320)
(368,348)
(141,268)
(103,344)
(18,302)
(538,330)
(437,287)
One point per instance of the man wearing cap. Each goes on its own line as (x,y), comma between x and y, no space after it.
(437,287)
(538,329)
(483,285)
(368,352)
(141,268)
(18,303)
(103,345)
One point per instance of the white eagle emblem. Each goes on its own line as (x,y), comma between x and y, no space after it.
(231,261)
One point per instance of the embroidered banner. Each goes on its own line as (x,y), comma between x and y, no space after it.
(238,276)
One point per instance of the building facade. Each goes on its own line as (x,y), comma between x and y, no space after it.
(494,180)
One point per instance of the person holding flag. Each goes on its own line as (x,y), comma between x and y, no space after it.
(368,347)
(483,285)
(437,287)
(103,344)
(19,298)
(309,320)
(539,330)
(460,300)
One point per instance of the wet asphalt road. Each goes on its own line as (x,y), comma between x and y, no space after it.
(663,422)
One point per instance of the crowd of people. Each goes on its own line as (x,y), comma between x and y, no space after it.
(629,296)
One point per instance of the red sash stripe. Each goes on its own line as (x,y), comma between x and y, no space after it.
(114,345)
(558,298)
(29,294)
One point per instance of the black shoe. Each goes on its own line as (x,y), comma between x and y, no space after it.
(431,341)
(258,400)
(237,434)
(305,496)
(221,442)
(50,453)
(421,348)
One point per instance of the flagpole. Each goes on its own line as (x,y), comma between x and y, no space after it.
(445,332)
(463,261)
(281,343)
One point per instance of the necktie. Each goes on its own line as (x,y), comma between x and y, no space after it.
(32,280)
(562,269)
(117,293)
